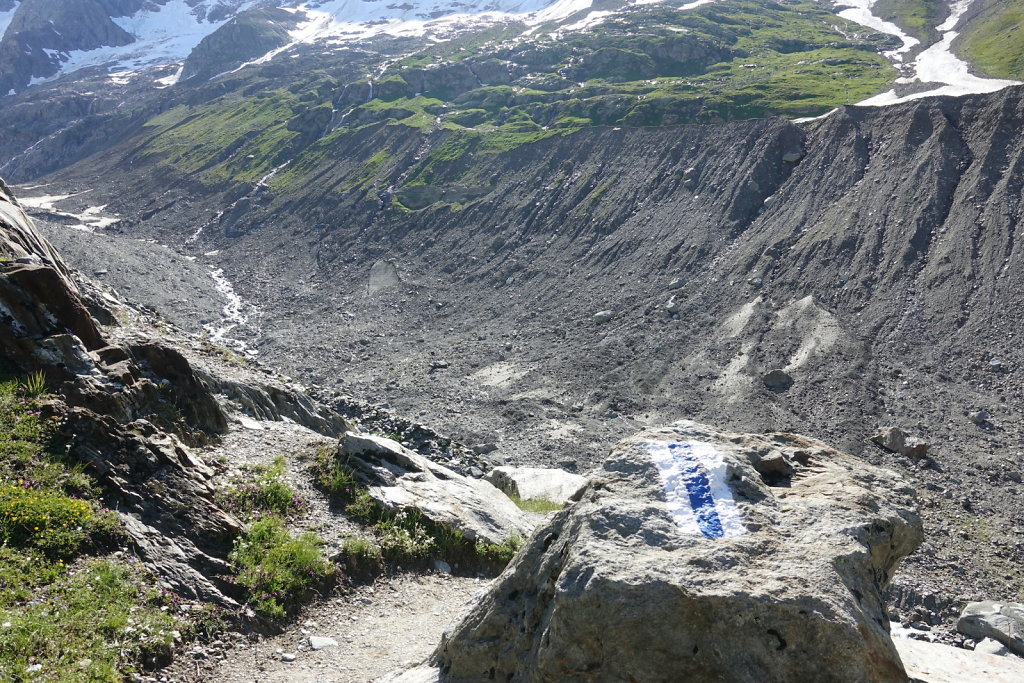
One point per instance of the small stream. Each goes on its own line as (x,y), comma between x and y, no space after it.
(234,316)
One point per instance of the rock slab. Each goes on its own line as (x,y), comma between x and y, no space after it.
(1002,621)
(683,561)
(399,478)
(537,483)
(896,440)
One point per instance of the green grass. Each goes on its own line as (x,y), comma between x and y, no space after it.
(994,41)
(402,537)
(65,616)
(97,622)
(537,505)
(233,138)
(278,570)
(649,66)
(917,17)
(262,490)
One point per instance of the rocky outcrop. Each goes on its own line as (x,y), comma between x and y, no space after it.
(274,402)
(124,411)
(400,479)
(690,557)
(41,30)
(249,35)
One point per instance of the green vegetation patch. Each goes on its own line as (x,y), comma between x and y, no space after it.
(234,137)
(63,616)
(262,490)
(400,537)
(994,41)
(917,17)
(278,569)
(99,621)
(495,91)
(539,505)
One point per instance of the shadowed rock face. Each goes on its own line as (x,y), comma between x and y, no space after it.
(698,554)
(124,411)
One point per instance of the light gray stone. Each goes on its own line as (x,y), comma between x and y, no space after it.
(979,416)
(936,663)
(621,586)
(399,478)
(1002,621)
(321,642)
(604,316)
(537,483)
(896,440)
(991,647)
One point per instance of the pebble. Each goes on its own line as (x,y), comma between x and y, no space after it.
(287,657)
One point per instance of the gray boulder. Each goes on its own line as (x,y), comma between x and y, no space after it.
(537,483)
(896,440)
(604,316)
(400,479)
(777,379)
(1002,621)
(684,561)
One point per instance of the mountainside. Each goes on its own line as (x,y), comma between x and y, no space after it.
(872,256)
(546,228)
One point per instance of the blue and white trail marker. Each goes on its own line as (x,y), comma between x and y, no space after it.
(693,475)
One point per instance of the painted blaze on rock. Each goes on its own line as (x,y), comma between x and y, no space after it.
(694,477)
(697,554)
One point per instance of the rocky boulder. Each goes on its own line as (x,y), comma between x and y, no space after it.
(684,560)
(1002,621)
(896,440)
(399,478)
(537,483)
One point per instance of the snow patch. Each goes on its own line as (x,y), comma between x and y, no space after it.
(5,19)
(44,202)
(168,81)
(936,66)
(859,11)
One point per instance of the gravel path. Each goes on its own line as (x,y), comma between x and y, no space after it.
(389,625)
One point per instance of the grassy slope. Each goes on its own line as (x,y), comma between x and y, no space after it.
(917,17)
(785,60)
(68,611)
(994,41)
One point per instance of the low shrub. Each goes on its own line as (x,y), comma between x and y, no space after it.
(537,505)
(277,569)
(56,525)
